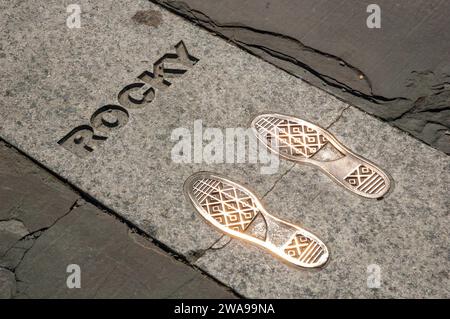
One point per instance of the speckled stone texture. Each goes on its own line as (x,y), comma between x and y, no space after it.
(405,234)
(46,226)
(399,72)
(54,78)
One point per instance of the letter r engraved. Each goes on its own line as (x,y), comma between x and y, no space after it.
(81,140)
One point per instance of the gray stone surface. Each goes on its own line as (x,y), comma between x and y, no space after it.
(29,200)
(115,261)
(55,78)
(7,284)
(387,72)
(405,234)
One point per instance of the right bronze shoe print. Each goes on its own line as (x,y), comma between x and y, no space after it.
(302,142)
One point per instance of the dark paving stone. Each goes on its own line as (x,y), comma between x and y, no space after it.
(45,226)
(30,199)
(7,284)
(400,72)
(29,195)
(114,262)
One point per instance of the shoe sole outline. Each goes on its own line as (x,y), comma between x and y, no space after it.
(352,171)
(302,248)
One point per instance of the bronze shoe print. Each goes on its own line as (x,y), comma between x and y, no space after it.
(302,142)
(237,212)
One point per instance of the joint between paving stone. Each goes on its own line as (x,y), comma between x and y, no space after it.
(200,253)
(338,117)
(201,19)
(196,255)
(34,236)
(37,233)
(278,180)
(22,246)
(223,246)
(86,198)
(341,113)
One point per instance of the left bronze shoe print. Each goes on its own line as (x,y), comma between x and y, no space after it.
(300,141)
(236,211)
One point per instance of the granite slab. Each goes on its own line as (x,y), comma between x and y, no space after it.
(56,79)
(397,70)
(402,239)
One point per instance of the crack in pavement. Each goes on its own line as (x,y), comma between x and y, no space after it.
(338,117)
(34,236)
(82,199)
(202,19)
(278,180)
(196,255)
(336,76)
(341,113)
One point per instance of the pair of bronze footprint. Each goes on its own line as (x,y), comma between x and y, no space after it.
(237,212)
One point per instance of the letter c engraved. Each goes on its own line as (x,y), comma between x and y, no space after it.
(127,100)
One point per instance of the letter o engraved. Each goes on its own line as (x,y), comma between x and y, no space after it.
(82,140)
(127,100)
(109,118)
